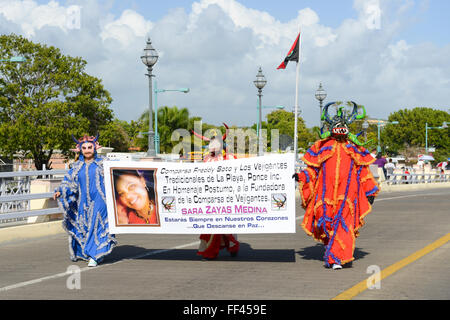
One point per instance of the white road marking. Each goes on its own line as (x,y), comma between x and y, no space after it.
(64,274)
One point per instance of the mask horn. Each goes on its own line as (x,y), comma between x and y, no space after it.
(354,115)
(363,115)
(74,139)
(200,136)
(325,115)
(226,132)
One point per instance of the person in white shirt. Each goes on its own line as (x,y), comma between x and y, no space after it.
(390,167)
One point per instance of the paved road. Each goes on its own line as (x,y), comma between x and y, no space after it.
(270,266)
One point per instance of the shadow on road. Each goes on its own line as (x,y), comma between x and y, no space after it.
(246,254)
(317,252)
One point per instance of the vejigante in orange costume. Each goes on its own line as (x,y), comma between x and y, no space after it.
(211,244)
(337,187)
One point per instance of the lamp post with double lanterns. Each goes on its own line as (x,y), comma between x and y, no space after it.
(260,82)
(149,58)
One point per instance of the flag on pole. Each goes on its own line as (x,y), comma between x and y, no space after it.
(292,54)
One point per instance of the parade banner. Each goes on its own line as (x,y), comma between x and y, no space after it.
(250,195)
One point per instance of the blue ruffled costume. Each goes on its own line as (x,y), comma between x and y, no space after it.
(85,215)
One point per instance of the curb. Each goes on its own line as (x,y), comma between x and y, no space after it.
(30,231)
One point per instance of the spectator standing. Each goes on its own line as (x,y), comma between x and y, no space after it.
(373,153)
(390,166)
(421,164)
(380,162)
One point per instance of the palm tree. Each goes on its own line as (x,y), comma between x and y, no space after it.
(169,119)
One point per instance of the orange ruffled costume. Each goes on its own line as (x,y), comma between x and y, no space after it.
(215,242)
(334,189)
(211,244)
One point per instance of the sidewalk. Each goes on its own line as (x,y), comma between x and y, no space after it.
(30,231)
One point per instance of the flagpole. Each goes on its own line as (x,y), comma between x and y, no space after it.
(296,100)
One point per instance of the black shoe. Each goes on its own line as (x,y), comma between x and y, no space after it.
(233,254)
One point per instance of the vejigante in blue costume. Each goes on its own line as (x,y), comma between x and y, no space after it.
(81,196)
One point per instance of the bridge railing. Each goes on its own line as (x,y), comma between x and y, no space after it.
(15,195)
(416,178)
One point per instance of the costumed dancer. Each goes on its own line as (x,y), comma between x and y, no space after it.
(81,196)
(337,187)
(211,244)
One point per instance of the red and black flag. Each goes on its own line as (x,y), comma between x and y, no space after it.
(292,54)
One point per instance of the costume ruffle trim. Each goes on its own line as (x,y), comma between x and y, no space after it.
(319,152)
(359,154)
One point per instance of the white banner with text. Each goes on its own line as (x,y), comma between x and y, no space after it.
(248,195)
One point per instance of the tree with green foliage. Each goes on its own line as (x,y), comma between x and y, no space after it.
(169,120)
(115,135)
(46,99)
(284,122)
(410,131)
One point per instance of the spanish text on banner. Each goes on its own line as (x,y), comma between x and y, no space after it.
(250,195)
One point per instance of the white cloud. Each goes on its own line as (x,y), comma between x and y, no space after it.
(33,17)
(130,25)
(215,49)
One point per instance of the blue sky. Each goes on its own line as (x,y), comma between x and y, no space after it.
(283,10)
(215,48)
(428,19)
(430,23)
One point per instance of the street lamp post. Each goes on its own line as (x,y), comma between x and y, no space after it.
(149,58)
(17,59)
(185,90)
(379,125)
(265,107)
(260,82)
(444,126)
(365,126)
(320,95)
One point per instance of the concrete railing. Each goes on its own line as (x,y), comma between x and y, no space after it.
(398,177)
(415,178)
(32,203)
(43,208)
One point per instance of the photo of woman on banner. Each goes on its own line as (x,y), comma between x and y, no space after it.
(134,192)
